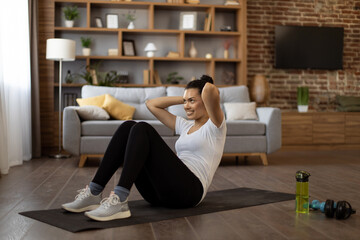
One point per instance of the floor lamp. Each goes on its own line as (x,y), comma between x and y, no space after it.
(59,49)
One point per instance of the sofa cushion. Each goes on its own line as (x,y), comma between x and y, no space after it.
(234,94)
(245,144)
(177,110)
(240,111)
(108,128)
(135,97)
(245,128)
(92,113)
(91,101)
(118,109)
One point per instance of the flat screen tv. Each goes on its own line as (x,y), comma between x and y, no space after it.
(298,47)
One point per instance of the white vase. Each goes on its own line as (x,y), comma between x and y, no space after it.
(69,23)
(86,51)
(302,108)
(131,25)
(192,50)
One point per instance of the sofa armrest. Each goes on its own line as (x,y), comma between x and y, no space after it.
(272,118)
(71,131)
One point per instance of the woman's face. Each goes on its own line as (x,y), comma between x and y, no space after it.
(193,104)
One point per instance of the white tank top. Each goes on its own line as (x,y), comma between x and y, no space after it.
(201,151)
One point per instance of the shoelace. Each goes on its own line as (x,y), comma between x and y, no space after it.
(83,193)
(113,199)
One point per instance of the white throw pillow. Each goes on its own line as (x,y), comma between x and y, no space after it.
(240,111)
(92,113)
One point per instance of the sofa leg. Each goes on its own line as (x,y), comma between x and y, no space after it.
(263,157)
(83,159)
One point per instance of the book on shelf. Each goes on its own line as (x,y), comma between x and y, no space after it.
(207,23)
(146,76)
(156,76)
(69,99)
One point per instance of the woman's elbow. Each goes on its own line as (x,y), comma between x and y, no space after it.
(148,103)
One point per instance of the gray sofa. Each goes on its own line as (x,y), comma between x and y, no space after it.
(244,137)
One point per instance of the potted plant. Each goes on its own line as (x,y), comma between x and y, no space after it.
(110,79)
(173,78)
(86,42)
(303,98)
(130,16)
(71,13)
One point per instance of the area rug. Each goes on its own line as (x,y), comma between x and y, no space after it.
(142,212)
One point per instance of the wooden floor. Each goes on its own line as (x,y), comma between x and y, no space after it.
(47,183)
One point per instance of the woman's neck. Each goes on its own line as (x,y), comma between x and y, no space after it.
(201,121)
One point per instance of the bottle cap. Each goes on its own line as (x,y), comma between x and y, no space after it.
(302,176)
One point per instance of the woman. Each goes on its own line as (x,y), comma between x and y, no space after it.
(162,177)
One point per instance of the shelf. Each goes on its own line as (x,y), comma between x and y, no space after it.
(187,59)
(77,85)
(140,31)
(157,4)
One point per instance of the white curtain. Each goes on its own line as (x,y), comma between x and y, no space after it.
(15,88)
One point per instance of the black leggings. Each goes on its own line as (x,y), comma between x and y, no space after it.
(160,176)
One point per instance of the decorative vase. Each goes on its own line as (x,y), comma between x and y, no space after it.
(259,89)
(226,53)
(192,50)
(69,23)
(131,25)
(86,51)
(302,108)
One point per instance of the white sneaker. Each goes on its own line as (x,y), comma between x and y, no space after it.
(111,208)
(84,201)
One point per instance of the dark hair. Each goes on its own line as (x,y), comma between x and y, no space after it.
(200,83)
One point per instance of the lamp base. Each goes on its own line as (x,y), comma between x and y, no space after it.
(59,155)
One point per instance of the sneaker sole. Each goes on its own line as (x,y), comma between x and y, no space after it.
(88,208)
(119,215)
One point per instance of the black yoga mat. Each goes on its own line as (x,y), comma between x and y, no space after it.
(142,212)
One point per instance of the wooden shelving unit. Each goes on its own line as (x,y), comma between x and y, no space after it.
(157,22)
(155,13)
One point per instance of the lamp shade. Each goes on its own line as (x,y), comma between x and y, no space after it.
(150,47)
(60,49)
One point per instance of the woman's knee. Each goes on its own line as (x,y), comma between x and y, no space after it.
(126,125)
(141,126)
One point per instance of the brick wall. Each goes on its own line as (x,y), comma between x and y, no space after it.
(264,15)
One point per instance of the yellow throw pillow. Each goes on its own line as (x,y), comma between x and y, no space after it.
(91,101)
(118,109)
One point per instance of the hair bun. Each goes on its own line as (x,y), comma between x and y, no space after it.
(207,78)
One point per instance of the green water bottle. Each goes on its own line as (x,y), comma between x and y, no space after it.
(302,191)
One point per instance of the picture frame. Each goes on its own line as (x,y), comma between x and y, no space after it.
(128,48)
(98,22)
(112,20)
(188,20)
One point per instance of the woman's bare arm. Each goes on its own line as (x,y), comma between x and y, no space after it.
(211,98)
(157,107)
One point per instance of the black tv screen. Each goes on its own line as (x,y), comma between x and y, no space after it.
(298,47)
